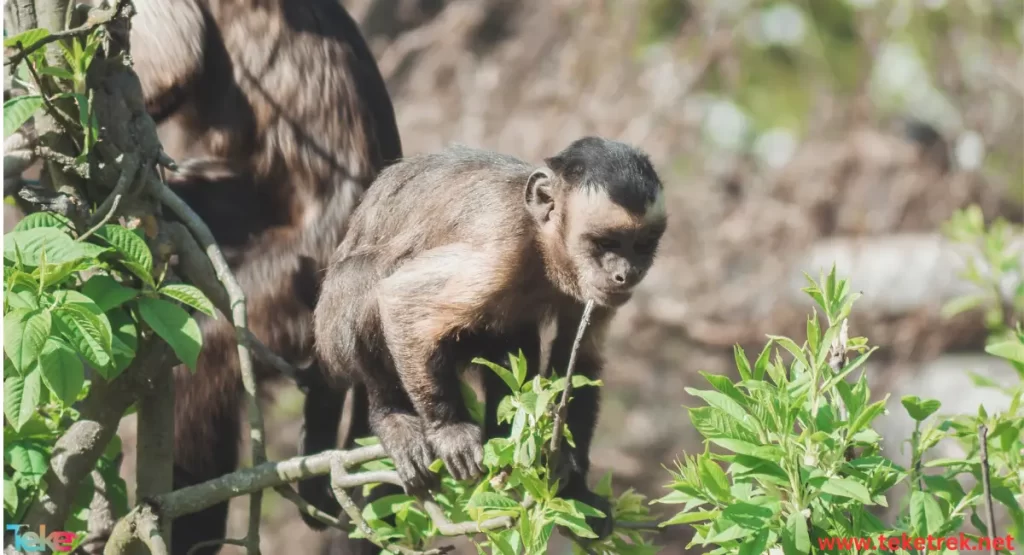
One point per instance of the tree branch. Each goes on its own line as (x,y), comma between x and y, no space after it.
(76,452)
(154,471)
(563,405)
(240,319)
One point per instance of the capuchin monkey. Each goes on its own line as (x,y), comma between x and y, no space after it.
(466,253)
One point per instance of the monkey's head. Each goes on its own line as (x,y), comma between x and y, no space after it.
(600,212)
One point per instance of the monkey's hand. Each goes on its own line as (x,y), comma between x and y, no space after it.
(403,439)
(460,446)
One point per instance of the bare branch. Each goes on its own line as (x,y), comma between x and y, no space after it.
(154,471)
(195,498)
(130,165)
(240,320)
(103,221)
(306,507)
(338,473)
(563,405)
(141,525)
(448,528)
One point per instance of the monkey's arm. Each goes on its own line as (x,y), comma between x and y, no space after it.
(423,306)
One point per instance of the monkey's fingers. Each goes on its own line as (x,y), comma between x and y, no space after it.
(459,446)
(413,467)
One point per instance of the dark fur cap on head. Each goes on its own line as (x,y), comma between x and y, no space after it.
(623,171)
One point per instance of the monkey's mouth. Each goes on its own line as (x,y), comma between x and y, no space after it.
(613,298)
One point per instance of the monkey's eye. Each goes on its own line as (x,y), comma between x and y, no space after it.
(645,246)
(606,243)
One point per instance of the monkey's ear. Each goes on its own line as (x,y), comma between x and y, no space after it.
(569,168)
(540,199)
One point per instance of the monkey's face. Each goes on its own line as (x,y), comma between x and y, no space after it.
(611,247)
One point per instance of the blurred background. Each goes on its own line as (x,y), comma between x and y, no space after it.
(789,135)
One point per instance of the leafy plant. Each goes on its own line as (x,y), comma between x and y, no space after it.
(74,300)
(518,482)
(802,463)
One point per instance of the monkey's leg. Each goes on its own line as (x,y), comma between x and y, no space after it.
(583,411)
(206,431)
(321,416)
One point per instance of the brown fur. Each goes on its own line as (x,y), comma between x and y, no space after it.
(279,118)
(467,253)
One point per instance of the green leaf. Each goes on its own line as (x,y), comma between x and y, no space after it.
(518,364)
(106,292)
(920,409)
(713,478)
(578,525)
(56,243)
(175,326)
(62,371)
(21,398)
(725,404)
(85,327)
(10,496)
(42,219)
(27,457)
(742,364)
(191,296)
(386,506)
(488,500)
(1010,350)
(845,487)
(124,340)
(761,364)
(755,545)
(748,515)
(792,347)
(925,514)
(796,534)
(689,518)
(26,38)
(18,110)
(132,247)
(501,371)
(25,332)
(533,484)
(713,423)
(58,72)
(870,413)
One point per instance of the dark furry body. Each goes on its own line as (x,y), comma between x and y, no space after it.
(444,262)
(279,119)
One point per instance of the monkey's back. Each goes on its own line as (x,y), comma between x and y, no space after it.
(287,90)
(456,195)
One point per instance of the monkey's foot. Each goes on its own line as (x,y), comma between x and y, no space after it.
(460,446)
(403,439)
